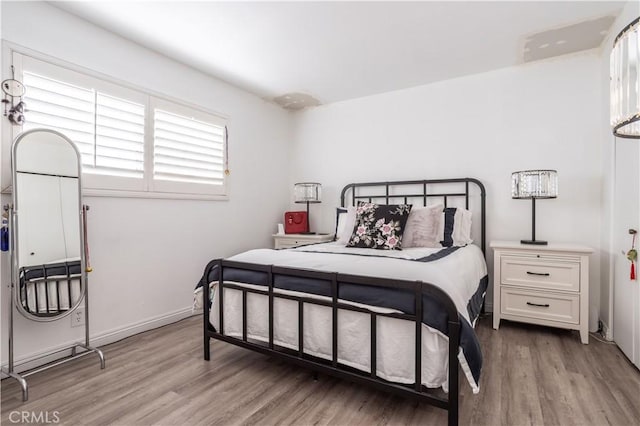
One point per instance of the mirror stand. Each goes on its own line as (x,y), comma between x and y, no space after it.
(48,241)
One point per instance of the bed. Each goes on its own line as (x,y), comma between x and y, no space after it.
(399,320)
(49,289)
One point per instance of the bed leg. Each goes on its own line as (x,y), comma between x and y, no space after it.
(314,375)
(453,416)
(454,365)
(206,343)
(205,325)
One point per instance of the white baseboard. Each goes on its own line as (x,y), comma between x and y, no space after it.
(36,359)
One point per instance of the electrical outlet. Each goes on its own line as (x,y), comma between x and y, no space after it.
(77,318)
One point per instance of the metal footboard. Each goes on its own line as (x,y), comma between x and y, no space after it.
(47,290)
(333,367)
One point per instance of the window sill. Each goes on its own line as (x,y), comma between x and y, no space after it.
(89,192)
(114,193)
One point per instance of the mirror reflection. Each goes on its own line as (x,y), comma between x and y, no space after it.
(47,202)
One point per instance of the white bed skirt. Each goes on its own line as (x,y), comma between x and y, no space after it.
(65,286)
(395,358)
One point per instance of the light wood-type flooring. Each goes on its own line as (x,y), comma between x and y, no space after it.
(531,375)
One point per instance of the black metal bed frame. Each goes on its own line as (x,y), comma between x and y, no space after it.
(333,367)
(49,273)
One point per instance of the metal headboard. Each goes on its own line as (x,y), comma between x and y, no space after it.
(410,191)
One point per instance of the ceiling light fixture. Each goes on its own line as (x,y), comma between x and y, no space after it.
(296,101)
(625,82)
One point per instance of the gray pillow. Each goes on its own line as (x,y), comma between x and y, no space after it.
(423,227)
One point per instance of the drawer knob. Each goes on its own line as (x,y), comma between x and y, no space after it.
(545,274)
(546,305)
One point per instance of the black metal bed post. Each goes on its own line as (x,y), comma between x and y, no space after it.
(418,321)
(300,328)
(270,283)
(374,346)
(46,288)
(205,307)
(454,347)
(221,296)
(244,316)
(334,325)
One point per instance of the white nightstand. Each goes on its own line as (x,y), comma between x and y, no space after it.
(546,285)
(281,241)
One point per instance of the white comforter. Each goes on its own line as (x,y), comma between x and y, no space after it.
(458,274)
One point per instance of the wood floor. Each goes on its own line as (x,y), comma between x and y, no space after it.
(531,375)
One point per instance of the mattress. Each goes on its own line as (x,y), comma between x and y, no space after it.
(461,272)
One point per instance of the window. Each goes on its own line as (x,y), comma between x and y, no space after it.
(119,135)
(128,139)
(108,131)
(188,148)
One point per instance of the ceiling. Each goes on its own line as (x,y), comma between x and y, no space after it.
(335,51)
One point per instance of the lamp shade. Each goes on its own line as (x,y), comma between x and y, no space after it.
(534,184)
(307,192)
(625,82)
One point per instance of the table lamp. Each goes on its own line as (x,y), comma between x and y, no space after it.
(534,184)
(309,193)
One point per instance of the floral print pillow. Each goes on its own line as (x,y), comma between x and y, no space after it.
(379,226)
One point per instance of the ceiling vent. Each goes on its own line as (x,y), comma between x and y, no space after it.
(561,41)
(296,101)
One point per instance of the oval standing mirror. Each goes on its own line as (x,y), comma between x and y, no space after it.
(48,256)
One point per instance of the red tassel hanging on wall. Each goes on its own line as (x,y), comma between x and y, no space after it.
(632,254)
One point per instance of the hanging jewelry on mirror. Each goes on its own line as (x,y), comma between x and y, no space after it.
(227,172)
(13,89)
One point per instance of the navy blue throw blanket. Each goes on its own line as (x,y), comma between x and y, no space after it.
(403,300)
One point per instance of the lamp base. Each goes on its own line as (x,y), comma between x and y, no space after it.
(534,242)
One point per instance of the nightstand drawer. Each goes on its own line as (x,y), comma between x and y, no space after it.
(290,244)
(540,273)
(547,306)
(285,241)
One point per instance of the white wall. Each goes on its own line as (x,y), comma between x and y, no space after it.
(148,254)
(607,140)
(539,115)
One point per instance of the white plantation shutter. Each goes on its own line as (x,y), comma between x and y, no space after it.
(119,137)
(108,131)
(63,107)
(131,143)
(188,147)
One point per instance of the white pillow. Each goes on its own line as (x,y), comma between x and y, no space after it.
(345,229)
(341,218)
(423,225)
(461,234)
(462,228)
